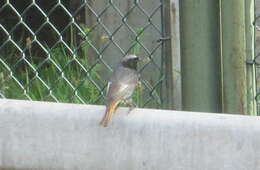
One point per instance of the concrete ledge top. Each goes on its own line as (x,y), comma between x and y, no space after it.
(41,135)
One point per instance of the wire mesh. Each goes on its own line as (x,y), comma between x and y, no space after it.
(65,51)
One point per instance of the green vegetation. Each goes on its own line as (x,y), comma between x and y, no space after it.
(61,77)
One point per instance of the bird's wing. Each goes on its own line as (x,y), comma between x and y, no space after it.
(123,83)
(108,85)
(120,91)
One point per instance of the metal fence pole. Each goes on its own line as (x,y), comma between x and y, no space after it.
(171,52)
(250,54)
(234,97)
(200,53)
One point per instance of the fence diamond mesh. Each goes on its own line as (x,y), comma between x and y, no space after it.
(65,51)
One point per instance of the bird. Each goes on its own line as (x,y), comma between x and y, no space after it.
(123,82)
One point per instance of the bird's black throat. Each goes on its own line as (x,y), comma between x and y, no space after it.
(131,63)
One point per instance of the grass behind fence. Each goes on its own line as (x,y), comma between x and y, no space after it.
(59,77)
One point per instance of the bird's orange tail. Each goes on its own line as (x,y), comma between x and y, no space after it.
(109,113)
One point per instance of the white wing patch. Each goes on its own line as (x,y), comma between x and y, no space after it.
(108,85)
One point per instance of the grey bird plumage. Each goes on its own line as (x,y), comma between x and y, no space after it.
(123,82)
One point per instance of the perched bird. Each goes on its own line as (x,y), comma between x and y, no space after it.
(123,82)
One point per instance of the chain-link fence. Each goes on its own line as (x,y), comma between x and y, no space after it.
(65,51)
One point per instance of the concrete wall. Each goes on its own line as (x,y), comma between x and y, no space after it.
(38,135)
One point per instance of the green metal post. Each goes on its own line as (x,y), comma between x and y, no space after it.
(234,85)
(171,52)
(250,46)
(200,53)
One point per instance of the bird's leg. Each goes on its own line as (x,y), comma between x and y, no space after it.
(129,102)
(139,85)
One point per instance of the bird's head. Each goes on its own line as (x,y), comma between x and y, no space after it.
(130,61)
